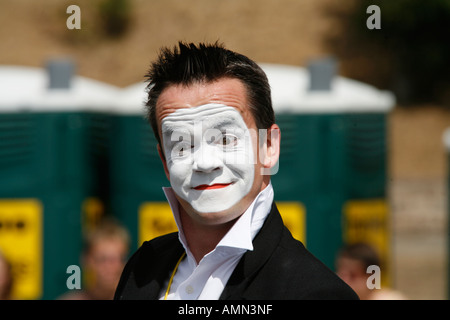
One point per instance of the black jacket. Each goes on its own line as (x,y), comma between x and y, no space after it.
(279,267)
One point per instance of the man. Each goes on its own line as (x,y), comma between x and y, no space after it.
(6,278)
(211,112)
(352,264)
(103,258)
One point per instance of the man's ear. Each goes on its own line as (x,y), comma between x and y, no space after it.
(271,150)
(163,160)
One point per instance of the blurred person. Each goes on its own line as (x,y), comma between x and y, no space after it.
(104,255)
(211,112)
(6,279)
(351,265)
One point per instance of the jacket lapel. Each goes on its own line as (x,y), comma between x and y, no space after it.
(264,244)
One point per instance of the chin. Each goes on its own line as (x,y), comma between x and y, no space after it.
(220,217)
(215,218)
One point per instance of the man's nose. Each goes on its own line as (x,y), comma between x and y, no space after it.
(207,159)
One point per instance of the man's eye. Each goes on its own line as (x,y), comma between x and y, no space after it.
(182,150)
(229,140)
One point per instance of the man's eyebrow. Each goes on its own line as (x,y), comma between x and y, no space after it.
(166,130)
(170,127)
(223,122)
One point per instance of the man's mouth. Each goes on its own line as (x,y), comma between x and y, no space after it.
(212,187)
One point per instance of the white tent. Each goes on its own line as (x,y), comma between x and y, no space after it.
(26,89)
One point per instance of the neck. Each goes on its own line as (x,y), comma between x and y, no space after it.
(201,238)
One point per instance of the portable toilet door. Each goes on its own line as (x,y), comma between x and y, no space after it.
(46,173)
(328,124)
(136,172)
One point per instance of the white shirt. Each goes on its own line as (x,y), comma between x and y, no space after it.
(207,279)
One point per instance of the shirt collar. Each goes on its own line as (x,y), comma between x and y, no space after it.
(242,233)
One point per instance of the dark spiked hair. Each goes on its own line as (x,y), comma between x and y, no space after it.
(189,63)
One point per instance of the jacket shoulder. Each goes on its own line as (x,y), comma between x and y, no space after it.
(305,276)
(154,247)
(280,267)
(148,264)
(160,243)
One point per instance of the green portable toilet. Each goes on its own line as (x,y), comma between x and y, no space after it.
(446,140)
(136,172)
(48,171)
(333,156)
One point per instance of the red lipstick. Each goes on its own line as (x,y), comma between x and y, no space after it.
(211,187)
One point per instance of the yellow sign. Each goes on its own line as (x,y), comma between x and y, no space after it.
(294,218)
(155,219)
(21,244)
(368,221)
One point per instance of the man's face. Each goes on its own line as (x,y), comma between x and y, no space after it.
(210,147)
(209,156)
(352,271)
(106,260)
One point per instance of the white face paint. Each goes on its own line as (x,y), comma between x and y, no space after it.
(209,156)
